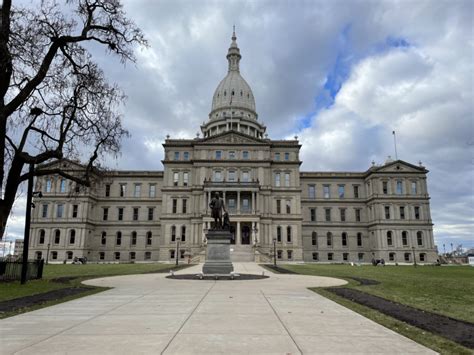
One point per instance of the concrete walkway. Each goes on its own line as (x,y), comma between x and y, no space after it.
(151,314)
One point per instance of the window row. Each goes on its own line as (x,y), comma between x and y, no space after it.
(184,205)
(131,255)
(330,239)
(287,179)
(402,212)
(279,234)
(332,257)
(327,191)
(60,211)
(289,254)
(343,215)
(136,192)
(118,238)
(180,178)
(283,205)
(58,185)
(402,187)
(150,213)
(56,237)
(404,238)
(231,175)
(174,237)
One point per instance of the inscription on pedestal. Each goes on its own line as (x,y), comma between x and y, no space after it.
(218,253)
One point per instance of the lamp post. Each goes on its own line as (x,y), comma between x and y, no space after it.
(274,252)
(177,250)
(414,257)
(47,253)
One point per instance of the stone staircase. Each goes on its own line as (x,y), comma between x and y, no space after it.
(242,253)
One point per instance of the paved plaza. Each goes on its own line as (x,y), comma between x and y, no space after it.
(149,314)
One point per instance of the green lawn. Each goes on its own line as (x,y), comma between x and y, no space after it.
(447,290)
(11,290)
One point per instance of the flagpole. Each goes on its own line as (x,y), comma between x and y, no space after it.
(395,144)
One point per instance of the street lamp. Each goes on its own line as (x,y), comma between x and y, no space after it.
(177,250)
(47,253)
(274,252)
(414,257)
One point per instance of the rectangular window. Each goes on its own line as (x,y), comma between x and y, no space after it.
(277,156)
(384,187)
(134,238)
(147,255)
(287,156)
(185,178)
(279,234)
(356,191)
(289,254)
(404,238)
(327,212)
(217,176)
(287,179)
(120,213)
(417,212)
(288,234)
(186,155)
(118,240)
(60,211)
(105,215)
(314,239)
(279,254)
(103,238)
(183,234)
(231,154)
(152,191)
(107,190)
(278,203)
(387,212)
(402,212)
(175,206)
(245,176)
(359,239)
(135,213)
(360,256)
(176,155)
(101,255)
(343,214)
(175,178)
(44,213)
(315,256)
(62,186)
(326,191)
(414,190)
(311,191)
(245,204)
(132,255)
(48,185)
(288,206)
(330,256)
(185,206)
(232,175)
(277,180)
(123,190)
(341,190)
(344,239)
(150,213)
(231,204)
(357,215)
(312,212)
(137,190)
(245,154)
(399,187)
(75,209)
(218,154)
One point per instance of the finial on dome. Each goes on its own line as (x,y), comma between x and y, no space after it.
(234,37)
(233,55)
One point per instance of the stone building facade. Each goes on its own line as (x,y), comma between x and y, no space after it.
(381,213)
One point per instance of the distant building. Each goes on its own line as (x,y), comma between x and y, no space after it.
(380,213)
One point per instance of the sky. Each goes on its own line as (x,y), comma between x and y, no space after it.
(341,75)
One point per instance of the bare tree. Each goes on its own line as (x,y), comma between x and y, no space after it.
(55,101)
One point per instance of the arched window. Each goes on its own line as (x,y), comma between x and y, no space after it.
(173,233)
(57,236)
(344,239)
(419,238)
(279,234)
(183,233)
(134,238)
(314,238)
(359,239)
(389,238)
(72,236)
(42,234)
(405,238)
(118,239)
(103,238)
(148,238)
(329,239)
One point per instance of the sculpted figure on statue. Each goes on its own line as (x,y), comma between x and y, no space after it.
(217,208)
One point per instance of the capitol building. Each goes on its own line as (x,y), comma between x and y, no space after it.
(382,212)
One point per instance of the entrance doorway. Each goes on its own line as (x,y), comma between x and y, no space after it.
(245,235)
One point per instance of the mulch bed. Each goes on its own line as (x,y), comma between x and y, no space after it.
(240,277)
(29,301)
(280,270)
(458,331)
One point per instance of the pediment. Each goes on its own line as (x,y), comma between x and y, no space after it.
(400,166)
(232,138)
(64,164)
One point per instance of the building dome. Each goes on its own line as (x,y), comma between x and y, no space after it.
(233,94)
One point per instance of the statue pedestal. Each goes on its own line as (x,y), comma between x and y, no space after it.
(218,253)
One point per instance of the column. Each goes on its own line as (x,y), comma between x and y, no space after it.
(253,202)
(237,237)
(238,202)
(223,196)
(208,201)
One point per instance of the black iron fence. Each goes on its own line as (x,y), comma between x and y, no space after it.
(11,270)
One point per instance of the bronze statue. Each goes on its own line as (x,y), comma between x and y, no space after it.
(217,206)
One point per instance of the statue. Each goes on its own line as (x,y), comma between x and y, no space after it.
(217,205)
